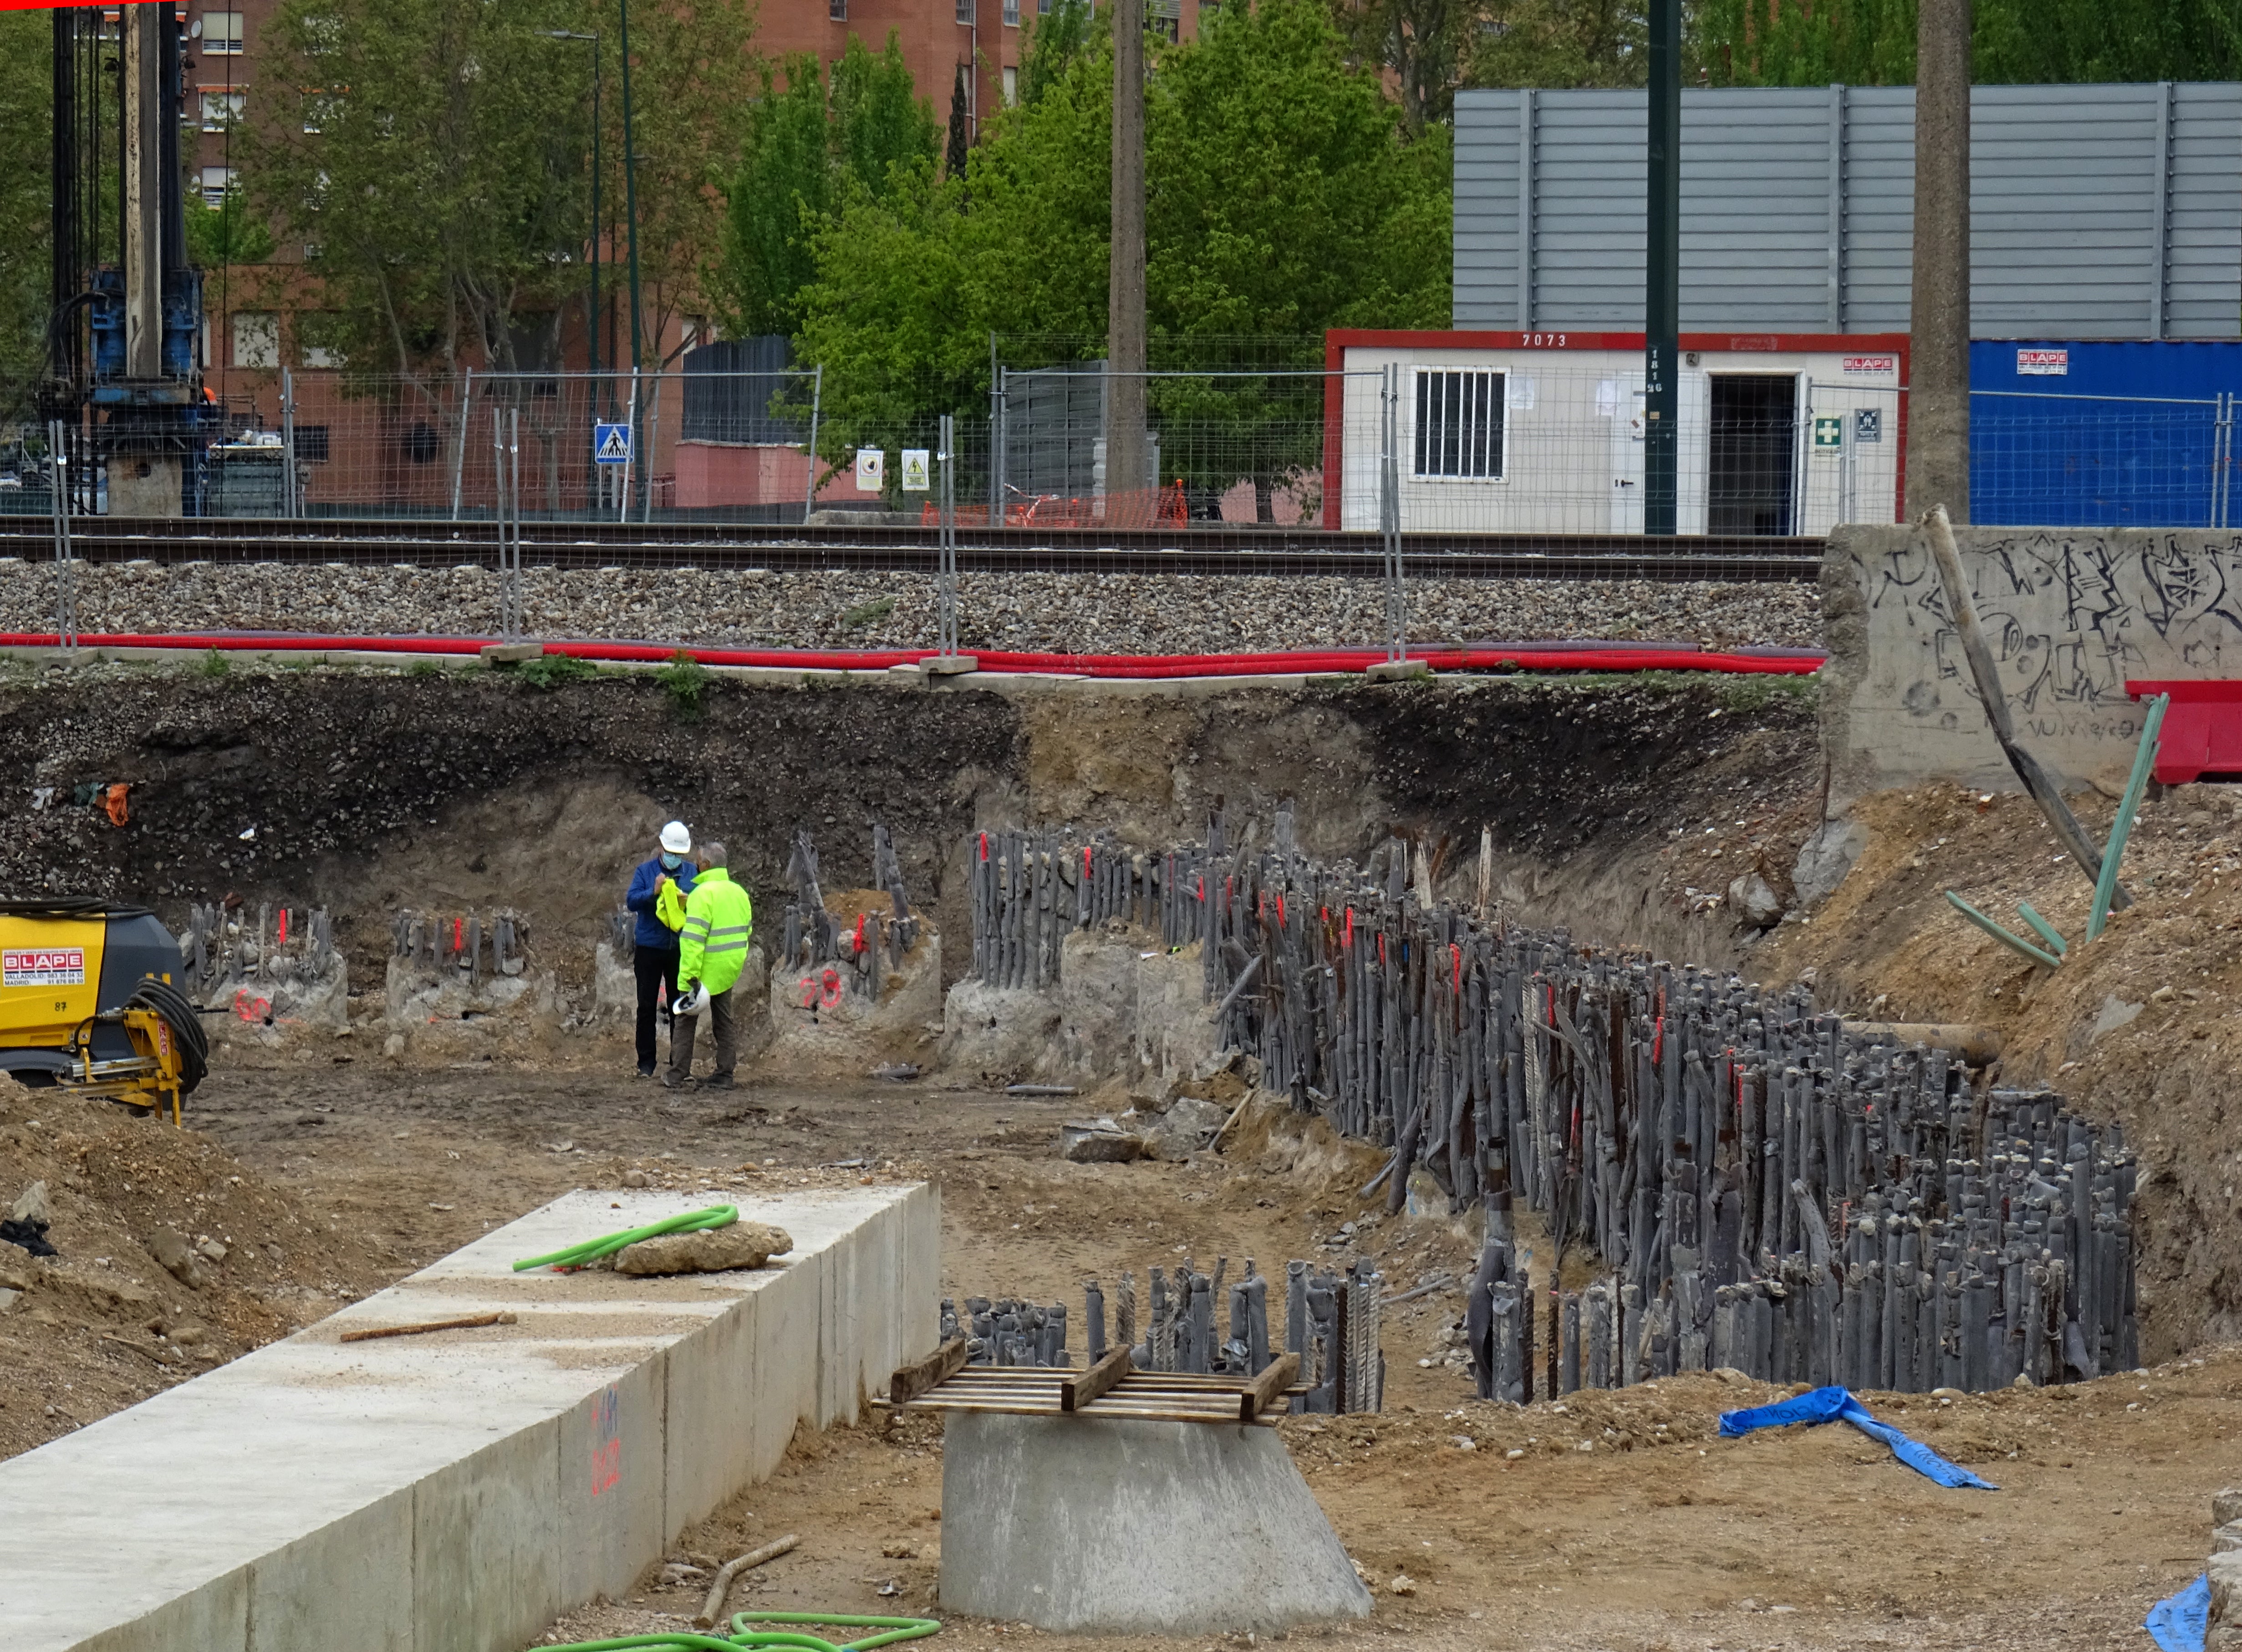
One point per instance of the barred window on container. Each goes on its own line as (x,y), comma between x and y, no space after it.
(1459,423)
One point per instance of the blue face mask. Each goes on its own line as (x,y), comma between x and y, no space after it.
(671,862)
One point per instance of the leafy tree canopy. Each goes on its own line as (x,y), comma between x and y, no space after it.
(810,143)
(26,119)
(1282,198)
(433,161)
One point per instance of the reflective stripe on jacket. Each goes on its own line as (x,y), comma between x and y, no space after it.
(719,921)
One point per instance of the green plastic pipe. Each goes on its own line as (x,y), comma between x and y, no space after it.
(895,1628)
(2045,930)
(2144,761)
(591,1250)
(2001,935)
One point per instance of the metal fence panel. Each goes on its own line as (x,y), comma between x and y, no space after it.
(2098,212)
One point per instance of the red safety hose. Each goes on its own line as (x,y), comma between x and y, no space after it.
(1538,657)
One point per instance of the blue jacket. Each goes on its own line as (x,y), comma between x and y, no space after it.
(652,932)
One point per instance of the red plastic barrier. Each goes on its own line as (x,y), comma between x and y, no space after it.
(2202,730)
(1315,661)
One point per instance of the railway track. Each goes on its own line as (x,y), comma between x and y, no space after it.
(1217,551)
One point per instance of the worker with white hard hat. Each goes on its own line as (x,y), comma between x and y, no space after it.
(657,895)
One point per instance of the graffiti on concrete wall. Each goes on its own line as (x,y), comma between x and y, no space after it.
(2070,616)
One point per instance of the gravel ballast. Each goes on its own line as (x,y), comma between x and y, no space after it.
(1118,613)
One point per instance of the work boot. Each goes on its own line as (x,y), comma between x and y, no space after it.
(717,1081)
(646,1072)
(671,1082)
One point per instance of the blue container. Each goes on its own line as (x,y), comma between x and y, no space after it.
(2100,433)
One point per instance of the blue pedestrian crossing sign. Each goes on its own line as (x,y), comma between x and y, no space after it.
(611,444)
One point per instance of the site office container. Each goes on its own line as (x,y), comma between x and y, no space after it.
(1542,433)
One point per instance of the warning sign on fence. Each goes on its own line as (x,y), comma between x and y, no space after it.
(611,444)
(917,470)
(871,469)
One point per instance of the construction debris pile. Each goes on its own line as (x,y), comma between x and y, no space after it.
(1331,1321)
(1768,1191)
(811,937)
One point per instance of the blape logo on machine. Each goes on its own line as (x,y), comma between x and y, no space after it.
(42,966)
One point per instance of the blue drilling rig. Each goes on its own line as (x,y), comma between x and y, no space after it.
(122,378)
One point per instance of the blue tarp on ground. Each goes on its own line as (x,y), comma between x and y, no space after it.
(2178,1623)
(1837,1405)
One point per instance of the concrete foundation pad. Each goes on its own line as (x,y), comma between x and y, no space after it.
(455,1492)
(1102,1527)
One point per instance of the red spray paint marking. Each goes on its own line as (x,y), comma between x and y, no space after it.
(860,932)
(1085,858)
(984,846)
(1349,941)
(458,934)
(1281,910)
(1381,949)
(284,925)
(1457,953)
(1658,1041)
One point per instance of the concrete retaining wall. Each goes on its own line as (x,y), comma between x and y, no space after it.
(2071,614)
(452,1493)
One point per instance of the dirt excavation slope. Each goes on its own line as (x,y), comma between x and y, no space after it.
(365,791)
(2139,1026)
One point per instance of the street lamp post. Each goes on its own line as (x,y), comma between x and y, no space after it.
(630,218)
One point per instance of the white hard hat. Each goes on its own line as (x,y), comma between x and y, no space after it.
(675,839)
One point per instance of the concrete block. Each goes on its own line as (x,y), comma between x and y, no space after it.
(1095,1526)
(452,1493)
(486,1541)
(1398,671)
(512,653)
(335,1585)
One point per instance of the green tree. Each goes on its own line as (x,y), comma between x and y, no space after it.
(1812,42)
(1055,39)
(1558,43)
(1422,42)
(1283,199)
(808,145)
(26,120)
(224,234)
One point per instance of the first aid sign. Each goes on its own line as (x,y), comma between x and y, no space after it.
(42,966)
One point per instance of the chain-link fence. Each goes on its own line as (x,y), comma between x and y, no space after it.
(1280,506)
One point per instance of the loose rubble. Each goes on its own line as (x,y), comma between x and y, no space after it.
(1028,613)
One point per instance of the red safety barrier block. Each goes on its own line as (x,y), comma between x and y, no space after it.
(2202,731)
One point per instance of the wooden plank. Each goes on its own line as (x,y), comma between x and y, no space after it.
(468,1323)
(1078,1392)
(910,1381)
(1261,1393)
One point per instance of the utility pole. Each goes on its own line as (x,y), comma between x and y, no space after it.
(630,217)
(1662,271)
(1938,314)
(1127,454)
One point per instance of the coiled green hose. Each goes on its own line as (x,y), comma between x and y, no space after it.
(591,1250)
(896,1628)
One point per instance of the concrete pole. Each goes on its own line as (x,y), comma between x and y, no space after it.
(1938,373)
(1127,504)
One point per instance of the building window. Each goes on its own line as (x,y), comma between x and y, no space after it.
(966,11)
(1012,14)
(216,181)
(1459,423)
(1165,17)
(315,334)
(1011,85)
(836,11)
(221,33)
(319,110)
(255,338)
(221,106)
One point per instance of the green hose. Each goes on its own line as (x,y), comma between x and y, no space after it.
(591,1250)
(898,1628)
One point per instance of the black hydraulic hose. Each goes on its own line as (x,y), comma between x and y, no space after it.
(179,1015)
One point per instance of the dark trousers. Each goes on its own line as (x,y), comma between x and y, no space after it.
(652,966)
(682,1032)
